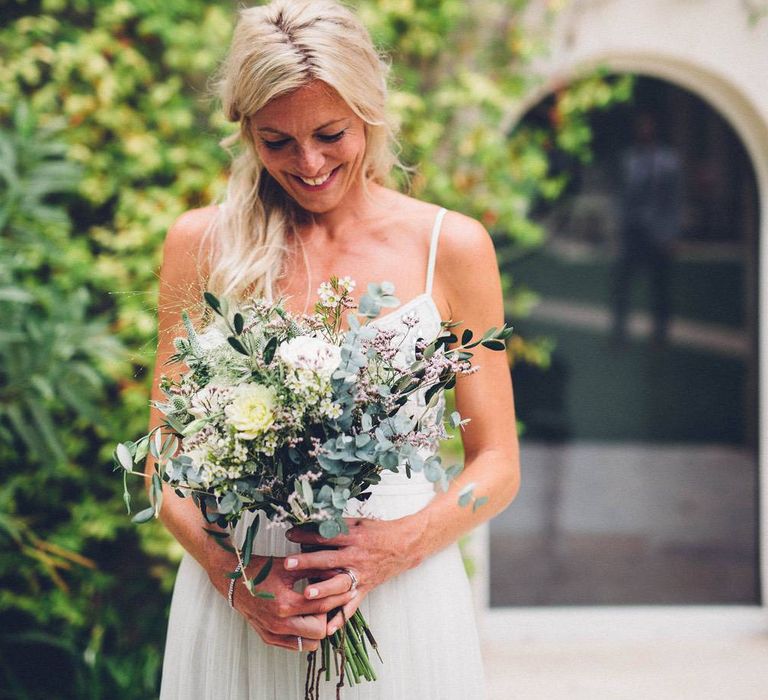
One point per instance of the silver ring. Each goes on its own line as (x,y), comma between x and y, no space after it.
(352,578)
(300,644)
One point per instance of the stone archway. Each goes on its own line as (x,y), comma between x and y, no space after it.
(751,125)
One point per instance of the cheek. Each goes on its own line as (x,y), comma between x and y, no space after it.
(353,151)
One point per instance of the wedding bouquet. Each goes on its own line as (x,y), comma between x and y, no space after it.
(294,417)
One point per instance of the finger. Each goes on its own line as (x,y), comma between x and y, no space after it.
(337,621)
(291,577)
(324,559)
(335,585)
(325,605)
(299,605)
(309,626)
(287,641)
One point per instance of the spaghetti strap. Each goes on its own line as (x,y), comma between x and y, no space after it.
(433,249)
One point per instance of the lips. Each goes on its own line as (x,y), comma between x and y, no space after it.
(314,184)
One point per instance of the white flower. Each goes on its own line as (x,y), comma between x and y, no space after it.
(251,412)
(211,338)
(209,400)
(309,353)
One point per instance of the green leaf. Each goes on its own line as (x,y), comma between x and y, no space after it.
(465,495)
(263,572)
(329,529)
(238,322)
(269,350)
(126,493)
(144,516)
(234,575)
(237,345)
(192,427)
(213,302)
(249,537)
(226,547)
(479,503)
(266,595)
(306,492)
(156,493)
(493,344)
(124,457)
(218,534)
(466,336)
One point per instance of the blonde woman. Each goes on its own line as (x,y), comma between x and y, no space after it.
(308,199)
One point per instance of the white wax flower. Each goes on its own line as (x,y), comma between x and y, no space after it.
(251,412)
(211,338)
(309,353)
(209,400)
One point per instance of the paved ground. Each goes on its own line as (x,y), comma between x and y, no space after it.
(706,670)
(624,523)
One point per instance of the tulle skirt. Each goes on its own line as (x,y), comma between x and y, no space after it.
(423,621)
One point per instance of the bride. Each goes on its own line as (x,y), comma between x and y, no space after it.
(307,199)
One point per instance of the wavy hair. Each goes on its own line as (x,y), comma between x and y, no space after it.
(276,49)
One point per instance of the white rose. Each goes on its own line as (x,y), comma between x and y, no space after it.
(309,353)
(251,412)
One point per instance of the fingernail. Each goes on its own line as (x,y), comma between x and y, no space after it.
(291,563)
(332,630)
(312,592)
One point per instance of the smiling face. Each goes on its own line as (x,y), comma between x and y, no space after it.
(313,145)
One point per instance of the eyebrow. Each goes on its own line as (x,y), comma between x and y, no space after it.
(282,133)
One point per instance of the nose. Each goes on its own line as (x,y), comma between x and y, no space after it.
(309,160)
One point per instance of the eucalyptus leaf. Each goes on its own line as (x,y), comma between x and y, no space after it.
(479,502)
(124,457)
(144,516)
(329,529)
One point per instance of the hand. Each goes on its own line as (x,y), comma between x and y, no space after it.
(375,550)
(279,621)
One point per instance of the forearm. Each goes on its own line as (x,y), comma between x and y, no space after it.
(495,475)
(185,522)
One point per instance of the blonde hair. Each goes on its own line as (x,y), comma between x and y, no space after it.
(276,49)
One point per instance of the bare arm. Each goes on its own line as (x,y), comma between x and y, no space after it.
(289,615)
(378,550)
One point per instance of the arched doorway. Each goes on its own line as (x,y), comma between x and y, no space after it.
(641,445)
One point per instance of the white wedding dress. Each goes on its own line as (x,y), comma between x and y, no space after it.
(423,619)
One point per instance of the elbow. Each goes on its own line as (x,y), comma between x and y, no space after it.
(508,486)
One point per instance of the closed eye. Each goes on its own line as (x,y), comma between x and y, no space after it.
(275,145)
(331,138)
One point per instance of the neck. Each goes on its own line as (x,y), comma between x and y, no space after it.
(360,204)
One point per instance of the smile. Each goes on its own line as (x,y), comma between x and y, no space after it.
(316,183)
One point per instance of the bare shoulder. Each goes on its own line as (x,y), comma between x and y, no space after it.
(464,236)
(185,259)
(187,232)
